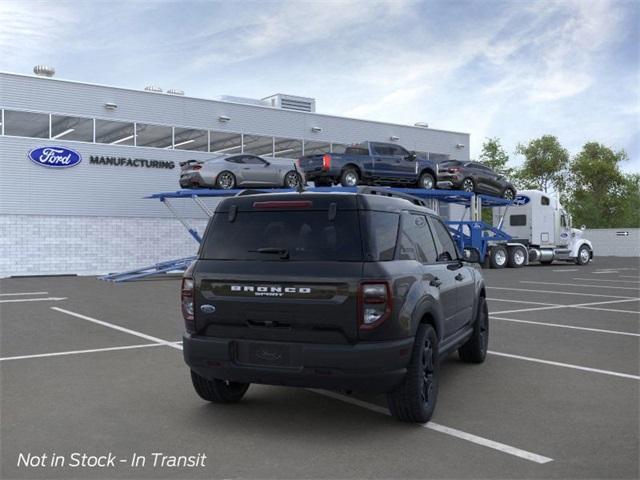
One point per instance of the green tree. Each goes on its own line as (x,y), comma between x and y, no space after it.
(545,164)
(600,195)
(494,156)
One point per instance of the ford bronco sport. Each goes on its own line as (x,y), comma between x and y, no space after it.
(345,291)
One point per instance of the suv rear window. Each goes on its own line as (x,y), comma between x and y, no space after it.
(304,235)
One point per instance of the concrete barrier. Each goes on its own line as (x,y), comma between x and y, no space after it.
(614,242)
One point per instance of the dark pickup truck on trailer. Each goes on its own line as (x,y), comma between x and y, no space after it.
(371,163)
(343,291)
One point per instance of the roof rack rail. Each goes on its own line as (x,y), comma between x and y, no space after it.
(387,192)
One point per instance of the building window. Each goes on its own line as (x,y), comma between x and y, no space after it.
(438,157)
(258,145)
(71,128)
(315,148)
(157,136)
(225,142)
(190,139)
(114,133)
(287,148)
(26,124)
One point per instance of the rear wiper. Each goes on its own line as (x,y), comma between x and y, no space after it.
(283,252)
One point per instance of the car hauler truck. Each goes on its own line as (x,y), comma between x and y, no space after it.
(540,231)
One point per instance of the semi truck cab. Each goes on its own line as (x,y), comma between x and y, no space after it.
(538,221)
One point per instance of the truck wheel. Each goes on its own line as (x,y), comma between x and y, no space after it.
(475,349)
(226,180)
(426,181)
(517,257)
(349,178)
(584,255)
(498,256)
(218,391)
(415,399)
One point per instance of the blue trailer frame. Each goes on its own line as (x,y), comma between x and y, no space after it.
(467,233)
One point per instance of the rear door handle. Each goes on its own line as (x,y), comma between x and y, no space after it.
(459,277)
(435,282)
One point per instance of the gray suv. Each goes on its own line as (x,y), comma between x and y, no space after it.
(344,291)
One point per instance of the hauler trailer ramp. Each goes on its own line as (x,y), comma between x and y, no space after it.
(537,222)
(473,233)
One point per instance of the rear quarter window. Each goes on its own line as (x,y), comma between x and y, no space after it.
(381,234)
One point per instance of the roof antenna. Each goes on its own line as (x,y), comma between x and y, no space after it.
(300,186)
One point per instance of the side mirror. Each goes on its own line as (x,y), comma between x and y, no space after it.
(471,255)
(412,155)
(583,228)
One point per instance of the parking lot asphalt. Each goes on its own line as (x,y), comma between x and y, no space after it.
(93,367)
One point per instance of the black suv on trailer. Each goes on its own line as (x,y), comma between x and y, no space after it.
(344,291)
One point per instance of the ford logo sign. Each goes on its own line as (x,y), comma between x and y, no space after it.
(55,157)
(521,200)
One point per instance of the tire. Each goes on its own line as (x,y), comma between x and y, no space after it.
(218,391)
(427,181)
(517,257)
(225,180)
(415,399)
(292,179)
(498,256)
(475,349)
(508,194)
(468,185)
(349,177)
(584,255)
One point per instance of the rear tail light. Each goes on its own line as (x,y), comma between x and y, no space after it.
(374,304)
(326,161)
(299,162)
(454,170)
(186,295)
(196,167)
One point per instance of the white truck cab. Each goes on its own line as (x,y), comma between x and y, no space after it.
(540,226)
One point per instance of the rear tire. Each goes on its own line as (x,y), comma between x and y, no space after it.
(415,399)
(468,185)
(226,180)
(475,349)
(292,180)
(508,194)
(218,391)
(427,181)
(349,177)
(517,257)
(498,256)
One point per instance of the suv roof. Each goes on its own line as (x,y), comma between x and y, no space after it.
(366,199)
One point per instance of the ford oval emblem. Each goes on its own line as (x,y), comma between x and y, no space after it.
(206,308)
(521,200)
(55,157)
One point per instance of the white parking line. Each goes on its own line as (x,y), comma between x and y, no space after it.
(587,306)
(119,328)
(22,293)
(454,432)
(559,293)
(522,301)
(19,300)
(582,285)
(565,365)
(567,270)
(604,280)
(76,352)
(559,325)
(628,276)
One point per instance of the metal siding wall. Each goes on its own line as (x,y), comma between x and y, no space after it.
(606,243)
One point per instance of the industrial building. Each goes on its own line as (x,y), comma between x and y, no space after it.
(91,217)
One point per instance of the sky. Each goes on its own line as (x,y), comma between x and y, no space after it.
(509,69)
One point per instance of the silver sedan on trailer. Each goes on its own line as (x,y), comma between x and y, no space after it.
(240,170)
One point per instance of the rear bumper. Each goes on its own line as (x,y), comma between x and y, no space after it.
(364,367)
(191,180)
